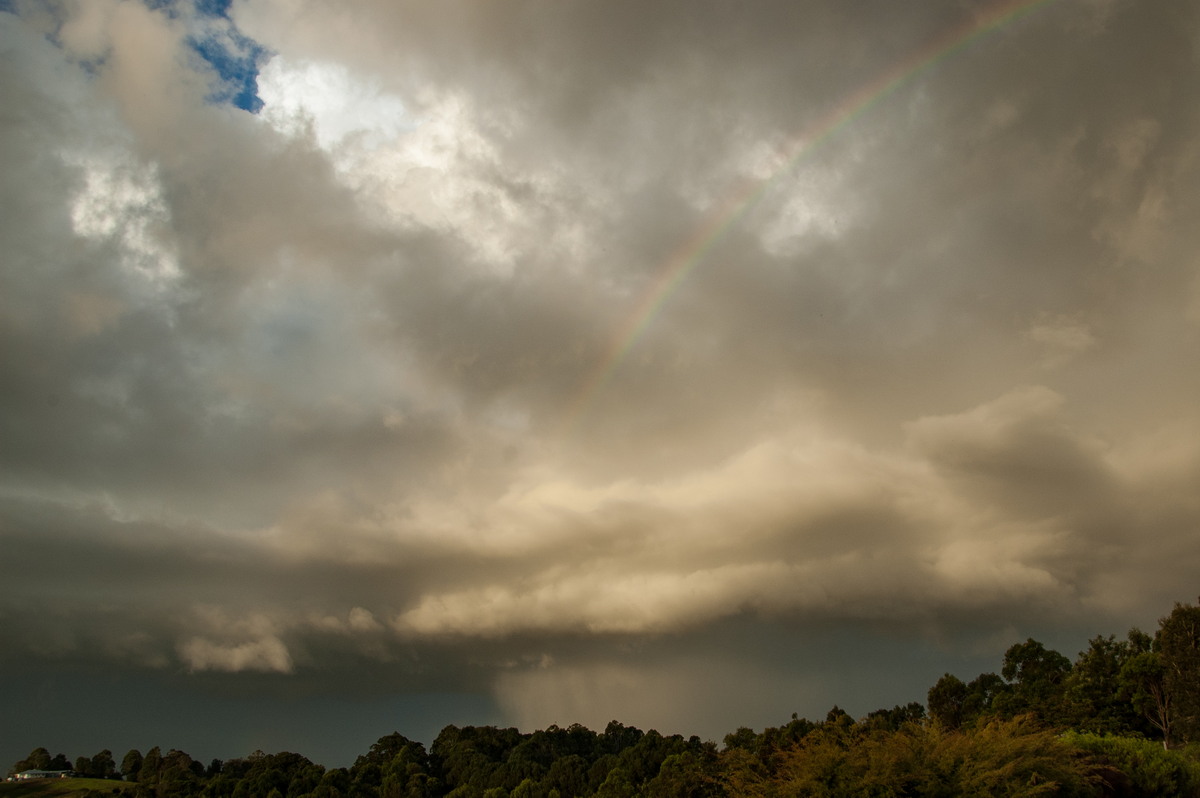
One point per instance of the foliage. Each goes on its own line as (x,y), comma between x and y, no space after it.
(1037,680)
(1001,758)
(1098,692)
(1135,767)
(1178,645)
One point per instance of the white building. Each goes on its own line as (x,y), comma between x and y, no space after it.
(42,774)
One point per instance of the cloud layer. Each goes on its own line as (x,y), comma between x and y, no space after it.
(346,391)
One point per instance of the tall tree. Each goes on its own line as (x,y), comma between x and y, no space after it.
(946,699)
(1178,642)
(131,764)
(1098,696)
(151,765)
(1143,678)
(1037,679)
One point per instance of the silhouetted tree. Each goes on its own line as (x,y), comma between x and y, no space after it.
(946,701)
(131,765)
(38,759)
(102,765)
(1036,678)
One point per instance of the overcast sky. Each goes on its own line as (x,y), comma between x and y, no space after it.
(377,365)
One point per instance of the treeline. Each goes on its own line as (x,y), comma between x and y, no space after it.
(1144,685)
(1121,720)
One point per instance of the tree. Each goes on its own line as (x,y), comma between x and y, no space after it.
(742,773)
(617,737)
(618,784)
(1143,678)
(983,693)
(684,775)
(896,717)
(568,775)
(102,765)
(336,782)
(1037,678)
(954,704)
(1133,766)
(1098,696)
(946,700)
(131,764)
(1178,643)
(744,738)
(38,759)
(151,765)
(179,773)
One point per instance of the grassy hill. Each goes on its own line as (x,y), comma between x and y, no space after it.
(62,788)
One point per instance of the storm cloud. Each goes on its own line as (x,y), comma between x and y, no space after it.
(381,387)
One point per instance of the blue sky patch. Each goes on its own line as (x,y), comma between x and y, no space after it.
(235,57)
(214,8)
(236,60)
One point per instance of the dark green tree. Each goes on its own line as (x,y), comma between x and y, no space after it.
(131,765)
(568,774)
(1037,678)
(38,759)
(947,700)
(618,784)
(102,765)
(151,766)
(895,718)
(745,739)
(983,692)
(689,774)
(179,774)
(617,737)
(1097,694)
(1133,766)
(336,783)
(1178,643)
(1143,677)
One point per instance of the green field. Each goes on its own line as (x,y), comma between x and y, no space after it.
(61,788)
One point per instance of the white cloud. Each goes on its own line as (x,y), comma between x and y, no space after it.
(121,200)
(265,654)
(233,643)
(338,104)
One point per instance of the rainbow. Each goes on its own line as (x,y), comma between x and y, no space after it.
(745,196)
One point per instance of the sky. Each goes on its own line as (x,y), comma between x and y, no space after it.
(379,365)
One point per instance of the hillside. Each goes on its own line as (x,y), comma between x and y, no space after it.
(61,788)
